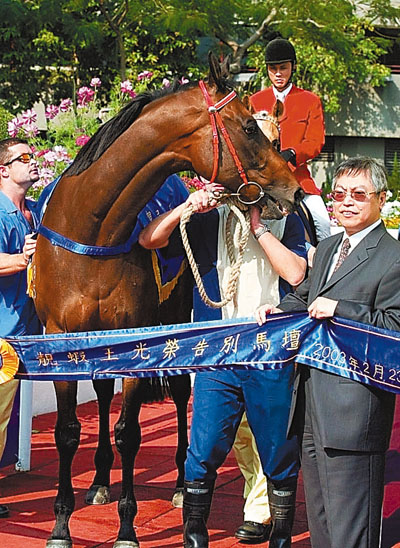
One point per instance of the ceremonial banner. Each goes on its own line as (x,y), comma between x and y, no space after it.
(342,347)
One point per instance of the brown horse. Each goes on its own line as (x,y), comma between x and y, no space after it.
(96,203)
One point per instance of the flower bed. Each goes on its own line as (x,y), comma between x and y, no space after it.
(70,125)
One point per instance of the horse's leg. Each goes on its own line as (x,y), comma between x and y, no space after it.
(127,441)
(67,434)
(180,391)
(99,491)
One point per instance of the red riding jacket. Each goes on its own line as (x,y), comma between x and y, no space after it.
(302,129)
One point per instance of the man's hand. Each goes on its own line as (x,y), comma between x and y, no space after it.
(262,312)
(29,247)
(322,308)
(201,201)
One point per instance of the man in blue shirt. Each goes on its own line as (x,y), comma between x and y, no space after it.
(18,219)
(275,253)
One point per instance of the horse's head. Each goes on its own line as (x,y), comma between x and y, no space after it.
(258,159)
(268,122)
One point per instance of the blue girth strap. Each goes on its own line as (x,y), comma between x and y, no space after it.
(82,249)
(55,238)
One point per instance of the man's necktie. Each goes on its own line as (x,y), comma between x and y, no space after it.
(343,253)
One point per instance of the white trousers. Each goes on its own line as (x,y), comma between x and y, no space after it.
(256,507)
(7,395)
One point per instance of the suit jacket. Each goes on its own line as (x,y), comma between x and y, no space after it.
(351,416)
(302,128)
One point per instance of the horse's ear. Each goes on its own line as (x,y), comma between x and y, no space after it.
(225,67)
(216,75)
(247,104)
(278,109)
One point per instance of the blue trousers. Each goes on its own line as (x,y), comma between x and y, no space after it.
(219,400)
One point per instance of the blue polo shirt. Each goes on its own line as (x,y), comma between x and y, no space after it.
(17,312)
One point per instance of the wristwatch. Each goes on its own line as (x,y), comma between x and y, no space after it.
(260,231)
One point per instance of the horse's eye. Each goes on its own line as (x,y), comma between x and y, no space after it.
(275,143)
(251,127)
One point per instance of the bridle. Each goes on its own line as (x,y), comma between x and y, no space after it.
(217,122)
(265,116)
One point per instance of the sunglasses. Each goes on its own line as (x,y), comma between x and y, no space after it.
(25,158)
(356,195)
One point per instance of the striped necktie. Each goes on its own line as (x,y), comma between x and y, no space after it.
(343,253)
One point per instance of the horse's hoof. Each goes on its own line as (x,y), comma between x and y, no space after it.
(98,494)
(177,499)
(59,543)
(125,544)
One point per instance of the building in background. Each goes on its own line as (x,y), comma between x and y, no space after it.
(368,122)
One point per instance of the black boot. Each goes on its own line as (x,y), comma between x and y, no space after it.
(197,496)
(282,503)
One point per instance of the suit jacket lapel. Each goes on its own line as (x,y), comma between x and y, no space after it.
(356,257)
(325,262)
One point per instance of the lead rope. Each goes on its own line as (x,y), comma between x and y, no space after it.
(240,238)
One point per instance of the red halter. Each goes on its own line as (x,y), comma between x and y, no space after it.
(216,121)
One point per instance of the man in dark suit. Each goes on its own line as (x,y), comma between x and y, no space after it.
(344,425)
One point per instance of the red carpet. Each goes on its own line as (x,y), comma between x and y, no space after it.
(30,496)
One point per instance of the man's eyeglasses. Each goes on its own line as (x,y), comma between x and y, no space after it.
(356,195)
(25,158)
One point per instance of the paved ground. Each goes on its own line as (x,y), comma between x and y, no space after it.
(31,495)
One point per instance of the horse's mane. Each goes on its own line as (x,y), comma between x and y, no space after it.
(111,130)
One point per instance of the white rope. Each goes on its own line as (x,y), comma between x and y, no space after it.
(240,237)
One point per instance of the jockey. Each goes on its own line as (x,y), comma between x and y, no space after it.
(302,124)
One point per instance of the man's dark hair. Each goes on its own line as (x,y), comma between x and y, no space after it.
(5,145)
(374,170)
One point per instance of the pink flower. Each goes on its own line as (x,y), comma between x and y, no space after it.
(145,75)
(82,140)
(30,130)
(85,95)
(95,83)
(126,87)
(183,80)
(65,105)
(14,126)
(51,111)
(193,184)
(61,154)
(46,176)
(166,83)
(49,158)
(29,116)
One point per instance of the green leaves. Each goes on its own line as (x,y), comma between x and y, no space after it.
(48,47)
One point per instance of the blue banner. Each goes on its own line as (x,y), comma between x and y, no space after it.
(343,347)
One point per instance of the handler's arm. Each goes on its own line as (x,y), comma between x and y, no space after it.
(287,264)
(11,263)
(157,233)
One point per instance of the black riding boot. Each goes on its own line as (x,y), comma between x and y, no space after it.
(282,503)
(197,496)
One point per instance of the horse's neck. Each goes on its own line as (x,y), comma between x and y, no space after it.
(112,191)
